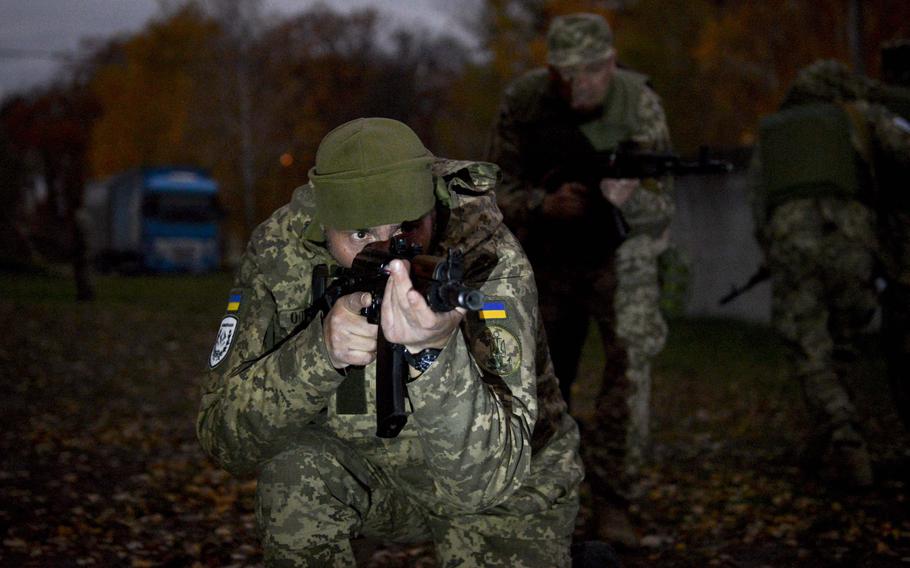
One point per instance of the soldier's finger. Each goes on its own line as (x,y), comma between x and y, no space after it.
(354,302)
(400,282)
(359,357)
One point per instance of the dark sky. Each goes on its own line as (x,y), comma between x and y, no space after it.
(33,31)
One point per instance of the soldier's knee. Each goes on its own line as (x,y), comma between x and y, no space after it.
(298,508)
(299,466)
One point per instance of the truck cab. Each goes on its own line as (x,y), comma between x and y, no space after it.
(162,219)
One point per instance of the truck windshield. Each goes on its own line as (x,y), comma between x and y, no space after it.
(181,207)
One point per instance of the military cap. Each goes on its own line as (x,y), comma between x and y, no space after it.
(578,38)
(370,172)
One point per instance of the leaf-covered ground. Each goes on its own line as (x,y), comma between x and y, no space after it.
(99,465)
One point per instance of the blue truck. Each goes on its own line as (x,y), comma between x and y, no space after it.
(163,219)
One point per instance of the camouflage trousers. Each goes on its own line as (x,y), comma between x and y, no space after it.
(821,257)
(622,297)
(312,500)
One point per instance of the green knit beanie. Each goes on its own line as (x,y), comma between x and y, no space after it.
(371,172)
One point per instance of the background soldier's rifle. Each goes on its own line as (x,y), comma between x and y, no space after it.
(589,167)
(438,279)
(760,276)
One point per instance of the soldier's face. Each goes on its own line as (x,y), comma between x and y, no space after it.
(585,85)
(344,245)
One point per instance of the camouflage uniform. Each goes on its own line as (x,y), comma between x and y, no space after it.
(578,277)
(487,465)
(821,248)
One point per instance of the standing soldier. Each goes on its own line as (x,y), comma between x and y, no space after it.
(814,198)
(571,229)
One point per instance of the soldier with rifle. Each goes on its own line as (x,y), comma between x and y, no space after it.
(593,240)
(381,370)
(818,196)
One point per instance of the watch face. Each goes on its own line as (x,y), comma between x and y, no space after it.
(422,360)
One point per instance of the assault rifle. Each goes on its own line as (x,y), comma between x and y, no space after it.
(438,279)
(625,162)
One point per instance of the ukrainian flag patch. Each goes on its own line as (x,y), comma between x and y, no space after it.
(493,311)
(234,301)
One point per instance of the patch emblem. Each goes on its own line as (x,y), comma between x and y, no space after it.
(234,301)
(493,310)
(498,351)
(223,341)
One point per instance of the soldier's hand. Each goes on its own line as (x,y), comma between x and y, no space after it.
(349,338)
(408,320)
(567,202)
(618,191)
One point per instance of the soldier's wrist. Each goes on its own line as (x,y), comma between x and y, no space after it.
(421,360)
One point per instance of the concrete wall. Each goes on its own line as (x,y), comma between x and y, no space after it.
(714,228)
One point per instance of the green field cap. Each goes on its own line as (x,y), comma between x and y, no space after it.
(371,172)
(578,38)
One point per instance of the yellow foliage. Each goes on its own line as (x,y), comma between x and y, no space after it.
(147,98)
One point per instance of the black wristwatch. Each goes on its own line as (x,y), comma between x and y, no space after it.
(422,359)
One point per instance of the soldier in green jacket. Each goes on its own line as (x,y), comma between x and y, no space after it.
(487,466)
(815,196)
(579,104)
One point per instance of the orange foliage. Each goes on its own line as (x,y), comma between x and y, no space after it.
(148,99)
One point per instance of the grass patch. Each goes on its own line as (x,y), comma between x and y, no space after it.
(713,374)
(721,351)
(186,294)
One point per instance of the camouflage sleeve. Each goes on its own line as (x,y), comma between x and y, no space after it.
(516,196)
(251,412)
(476,406)
(650,211)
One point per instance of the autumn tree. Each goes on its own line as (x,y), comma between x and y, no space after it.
(150,98)
(321,68)
(15,250)
(45,137)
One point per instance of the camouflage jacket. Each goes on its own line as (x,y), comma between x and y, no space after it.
(486,418)
(536,129)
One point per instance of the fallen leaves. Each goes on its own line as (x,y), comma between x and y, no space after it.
(99,464)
